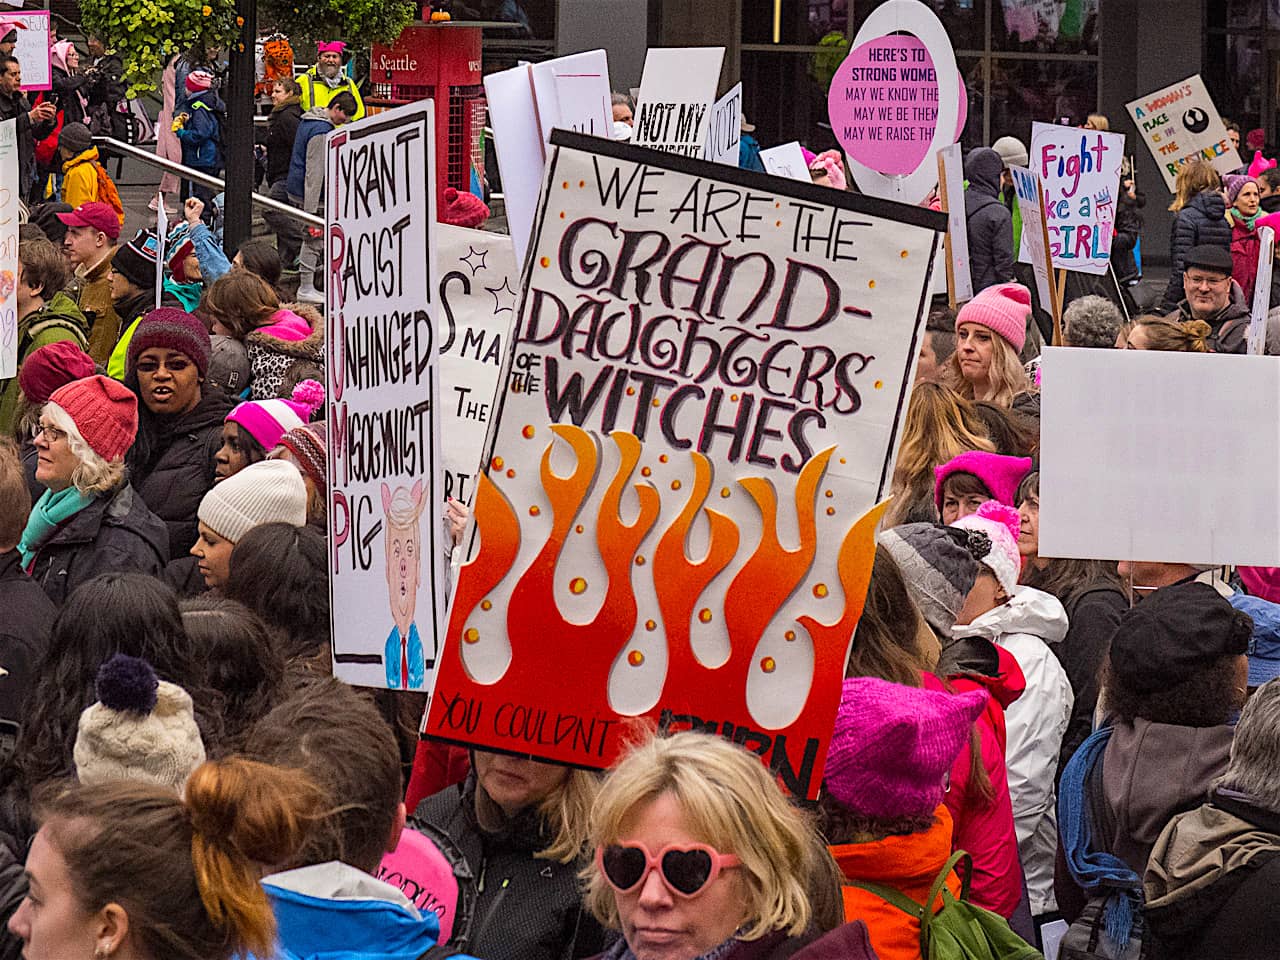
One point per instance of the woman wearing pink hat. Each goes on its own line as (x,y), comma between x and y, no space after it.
(991,330)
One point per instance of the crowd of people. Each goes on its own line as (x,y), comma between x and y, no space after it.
(1020,739)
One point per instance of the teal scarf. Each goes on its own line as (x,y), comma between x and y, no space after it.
(1247,221)
(50,511)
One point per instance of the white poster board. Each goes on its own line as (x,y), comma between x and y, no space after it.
(786,160)
(32,49)
(951,187)
(1080,172)
(1181,482)
(162,238)
(1262,292)
(573,93)
(1030,193)
(9,194)
(479,290)
(1179,124)
(677,90)
(386,482)
(724,131)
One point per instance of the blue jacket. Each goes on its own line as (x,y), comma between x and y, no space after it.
(315,123)
(201,137)
(332,911)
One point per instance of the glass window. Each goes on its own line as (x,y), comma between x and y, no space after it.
(798,22)
(965,20)
(801,114)
(1243,13)
(1234,73)
(1036,26)
(1027,90)
(971,68)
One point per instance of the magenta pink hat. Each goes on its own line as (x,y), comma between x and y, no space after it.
(268,420)
(1002,309)
(892,746)
(330,46)
(1000,475)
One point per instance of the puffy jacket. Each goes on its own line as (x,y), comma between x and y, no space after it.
(1245,246)
(295,332)
(58,319)
(909,864)
(990,225)
(526,908)
(332,911)
(314,123)
(1213,882)
(318,94)
(1202,221)
(116,533)
(1035,724)
(91,290)
(282,130)
(80,178)
(984,828)
(179,468)
(24,634)
(201,135)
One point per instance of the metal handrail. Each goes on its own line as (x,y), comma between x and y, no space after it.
(112,145)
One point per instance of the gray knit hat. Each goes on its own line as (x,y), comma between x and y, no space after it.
(939,564)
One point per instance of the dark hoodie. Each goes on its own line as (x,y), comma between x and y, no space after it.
(282,130)
(201,136)
(990,223)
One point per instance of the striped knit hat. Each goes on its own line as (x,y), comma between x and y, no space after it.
(171,329)
(268,420)
(309,445)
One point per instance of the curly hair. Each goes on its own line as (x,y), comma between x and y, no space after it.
(1208,699)
(841,825)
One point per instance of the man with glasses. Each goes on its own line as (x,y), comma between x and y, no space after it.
(1211,296)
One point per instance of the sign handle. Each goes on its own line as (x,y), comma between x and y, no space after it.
(1055,290)
(946,208)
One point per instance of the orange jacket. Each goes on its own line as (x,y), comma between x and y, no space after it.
(909,864)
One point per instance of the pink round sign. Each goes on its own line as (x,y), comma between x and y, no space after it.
(883,104)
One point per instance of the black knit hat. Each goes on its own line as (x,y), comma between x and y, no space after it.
(137,260)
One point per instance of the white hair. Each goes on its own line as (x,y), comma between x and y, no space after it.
(93,475)
(402,511)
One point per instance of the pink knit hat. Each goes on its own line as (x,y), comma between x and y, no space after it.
(268,420)
(104,411)
(892,746)
(1002,524)
(1002,309)
(1000,475)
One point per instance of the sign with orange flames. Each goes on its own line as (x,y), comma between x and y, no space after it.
(700,404)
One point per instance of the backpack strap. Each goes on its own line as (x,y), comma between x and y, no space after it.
(891,896)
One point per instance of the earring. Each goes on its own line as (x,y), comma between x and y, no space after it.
(100,951)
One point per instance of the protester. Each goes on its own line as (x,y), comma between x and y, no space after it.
(1092,596)
(989,221)
(937,344)
(106,91)
(1269,189)
(261,258)
(168,146)
(43,372)
(462,209)
(325,81)
(254,428)
(68,83)
(1169,333)
(305,182)
(1211,881)
(1242,215)
(267,492)
(1012,432)
(89,520)
(32,124)
(84,178)
(90,244)
(966,481)
(1142,577)
(130,869)
(1091,321)
(306,447)
(1201,222)
(990,332)
(282,130)
(171,463)
(280,572)
(133,293)
(9,36)
(199,129)
(1127,231)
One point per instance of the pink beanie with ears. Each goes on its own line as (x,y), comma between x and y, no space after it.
(1002,524)
(1002,309)
(1258,164)
(1000,475)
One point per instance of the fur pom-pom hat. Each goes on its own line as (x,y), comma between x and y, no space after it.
(1002,525)
(269,420)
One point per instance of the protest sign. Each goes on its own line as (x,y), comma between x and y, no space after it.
(724,131)
(32,49)
(1182,483)
(9,194)
(1180,124)
(1080,172)
(479,284)
(1035,237)
(677,90)
(386,483)
(1262,292)
(786,160)
(709,367)
(573,93)
(162,237)
(951,190)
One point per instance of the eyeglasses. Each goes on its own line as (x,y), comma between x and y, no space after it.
(51,434)
(1203,281)
(173,365)
(685,869)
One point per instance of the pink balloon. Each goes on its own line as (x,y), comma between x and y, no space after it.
(423,875)
(883,104)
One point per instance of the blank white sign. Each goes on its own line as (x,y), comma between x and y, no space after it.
(1160,457)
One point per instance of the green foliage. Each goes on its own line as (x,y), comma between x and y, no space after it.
(355,21)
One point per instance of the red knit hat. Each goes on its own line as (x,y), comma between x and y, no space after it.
(462,209)
(52,366)
(104,411)
(171,329)
(1002,309)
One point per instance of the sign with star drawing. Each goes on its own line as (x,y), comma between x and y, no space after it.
(700,402)
(479,280)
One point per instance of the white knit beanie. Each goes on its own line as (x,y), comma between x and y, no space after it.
(142,728)
(1001,524)
(269,491)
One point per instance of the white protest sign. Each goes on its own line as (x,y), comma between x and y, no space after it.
(162,237)
(573,93)
(1180,124)
(386,480)
(32,49)
(1080,172)
(519,146)
(9,194)
(951,189)
(1262,292)
(677,89)
(479,290)
(1181,482)
(786,160)
(698,413)
(724,132)
(1035,248)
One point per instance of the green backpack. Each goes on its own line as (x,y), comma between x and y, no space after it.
(959,931)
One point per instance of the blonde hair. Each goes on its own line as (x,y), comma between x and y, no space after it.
(567,813)
(1006,376)
(93,475)
(1178,336)
(729,801)
(1097,121)
(1193,179)
(939,426)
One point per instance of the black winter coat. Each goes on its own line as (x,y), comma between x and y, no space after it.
(66,86)
(15,106)
(13,889)
(178,467)
(282,129)
(990,222)
(1093,613)
(24,634)
(527,908)
(1127,232)
(1202,221)
(114,534)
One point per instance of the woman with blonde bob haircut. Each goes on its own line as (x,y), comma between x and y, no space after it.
(699,854)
